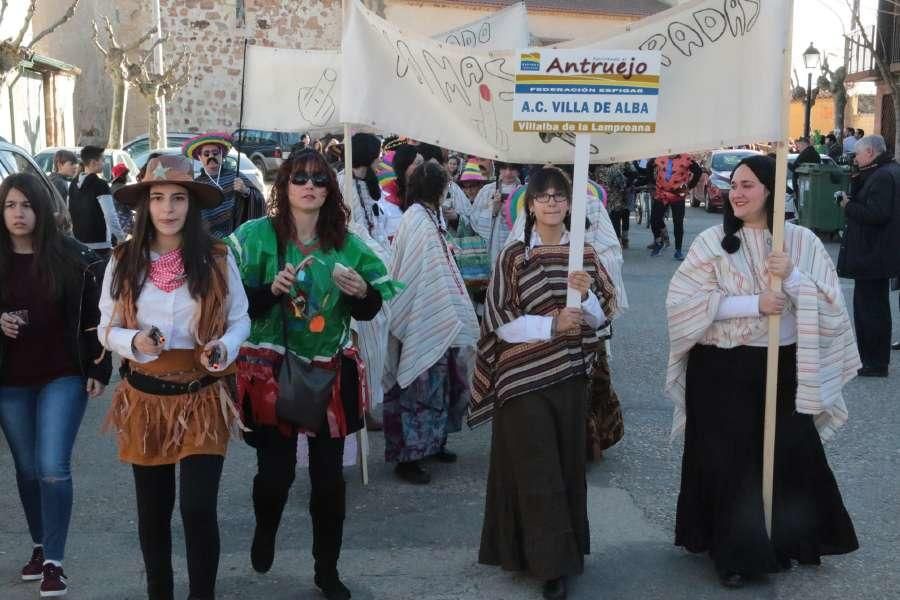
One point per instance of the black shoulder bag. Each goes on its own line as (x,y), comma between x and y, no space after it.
(304,389)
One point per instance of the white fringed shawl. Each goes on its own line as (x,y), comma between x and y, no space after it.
(827,356)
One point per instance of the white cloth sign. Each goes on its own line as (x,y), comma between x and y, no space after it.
(292,90)
(462,98)
(504,29)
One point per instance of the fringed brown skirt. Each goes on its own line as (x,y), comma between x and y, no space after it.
(605,426)
(161,430)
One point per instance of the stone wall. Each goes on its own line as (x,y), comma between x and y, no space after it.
(214,30)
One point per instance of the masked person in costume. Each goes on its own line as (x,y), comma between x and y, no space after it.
(718,306)
(242,201)
(306,276)
(173,307)
(532,377)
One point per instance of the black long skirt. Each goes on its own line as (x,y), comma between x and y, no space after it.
(535,515)
(720,507)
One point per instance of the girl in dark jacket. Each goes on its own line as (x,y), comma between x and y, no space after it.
(49,364)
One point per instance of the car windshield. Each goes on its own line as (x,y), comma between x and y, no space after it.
(727,162)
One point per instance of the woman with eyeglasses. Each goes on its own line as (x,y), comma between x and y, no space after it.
(531,377)
(173,307)
(306,276)
(49,286)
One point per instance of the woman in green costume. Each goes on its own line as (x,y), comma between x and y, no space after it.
(301,265)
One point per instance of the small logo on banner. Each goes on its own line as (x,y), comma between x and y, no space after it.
(530,62)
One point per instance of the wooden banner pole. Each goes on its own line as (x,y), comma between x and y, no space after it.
(775,282)
(578,211)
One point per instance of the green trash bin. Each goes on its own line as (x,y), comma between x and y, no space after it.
(814,198)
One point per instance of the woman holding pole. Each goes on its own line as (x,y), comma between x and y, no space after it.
(534,359)
(718,306)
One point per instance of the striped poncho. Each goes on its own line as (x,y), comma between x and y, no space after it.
(537,287)
(434,312)
(827,356)
(227,216)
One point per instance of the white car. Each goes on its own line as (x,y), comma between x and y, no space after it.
(111,157)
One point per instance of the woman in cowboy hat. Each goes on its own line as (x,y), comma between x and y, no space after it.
(241,200)
(173,307)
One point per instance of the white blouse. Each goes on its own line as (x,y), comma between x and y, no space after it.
(539,328)
(175,314)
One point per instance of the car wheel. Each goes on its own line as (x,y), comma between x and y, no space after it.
(261,165)
(694,202)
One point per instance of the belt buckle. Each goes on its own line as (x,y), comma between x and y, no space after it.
(193,386)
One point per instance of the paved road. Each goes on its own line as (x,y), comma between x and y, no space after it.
(405,543)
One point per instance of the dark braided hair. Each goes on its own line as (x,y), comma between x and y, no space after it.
(764,169)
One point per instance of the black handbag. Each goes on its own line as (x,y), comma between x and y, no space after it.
(304,389)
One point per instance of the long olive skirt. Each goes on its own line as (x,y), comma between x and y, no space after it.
(535,516)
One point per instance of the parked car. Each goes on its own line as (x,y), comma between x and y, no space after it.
(111,157)
(713,187)
(14,159)
(248,169)
(139,147)
(266,149)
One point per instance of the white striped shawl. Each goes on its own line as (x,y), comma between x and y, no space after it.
(492,228)
(434,312)
(827,356)
(602,237)
(372,336)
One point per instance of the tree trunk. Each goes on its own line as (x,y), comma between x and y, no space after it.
(840,107)
(155,132)
(117,117)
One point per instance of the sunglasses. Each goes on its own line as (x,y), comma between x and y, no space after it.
(319,180)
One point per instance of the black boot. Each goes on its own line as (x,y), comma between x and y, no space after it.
(268,504)
(327,508)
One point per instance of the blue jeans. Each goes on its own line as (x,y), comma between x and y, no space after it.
(40,425)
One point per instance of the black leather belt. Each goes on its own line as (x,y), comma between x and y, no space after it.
(159,387)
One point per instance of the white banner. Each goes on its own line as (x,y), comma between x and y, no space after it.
(502,30)
(719,85)
(292,90)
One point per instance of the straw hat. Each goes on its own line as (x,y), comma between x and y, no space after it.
(170,168)
(191,147)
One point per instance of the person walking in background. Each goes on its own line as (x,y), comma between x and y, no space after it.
(94,219)
(674,176)
(718,305)
(870,250)
(50,363)
(806,155)
(612,178)
(241,200)
(174,309)
(65,168)
(433,335)
(849,142)
(123,213)
(486,219)
(834,148)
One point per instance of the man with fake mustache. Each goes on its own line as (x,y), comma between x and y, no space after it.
(242,200)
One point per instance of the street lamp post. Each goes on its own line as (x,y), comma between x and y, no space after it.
(811,61)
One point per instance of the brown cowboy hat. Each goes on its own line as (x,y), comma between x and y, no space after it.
(175,169)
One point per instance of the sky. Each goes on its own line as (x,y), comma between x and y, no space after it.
(823,23)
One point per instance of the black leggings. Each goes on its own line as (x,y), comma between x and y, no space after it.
(276,459)
(155,489)
(657,220)
(621,221)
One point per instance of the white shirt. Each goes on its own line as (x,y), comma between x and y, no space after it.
(539,328)
(175,314)
(849,144)
(734,307)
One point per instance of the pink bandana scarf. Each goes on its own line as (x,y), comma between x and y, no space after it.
(167,271)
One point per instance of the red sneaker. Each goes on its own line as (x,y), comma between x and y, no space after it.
(34,570)
(53,585)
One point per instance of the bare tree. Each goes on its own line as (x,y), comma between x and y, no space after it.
(882,63)
(115,57)
(14,51)
(156,86)
(833,81)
